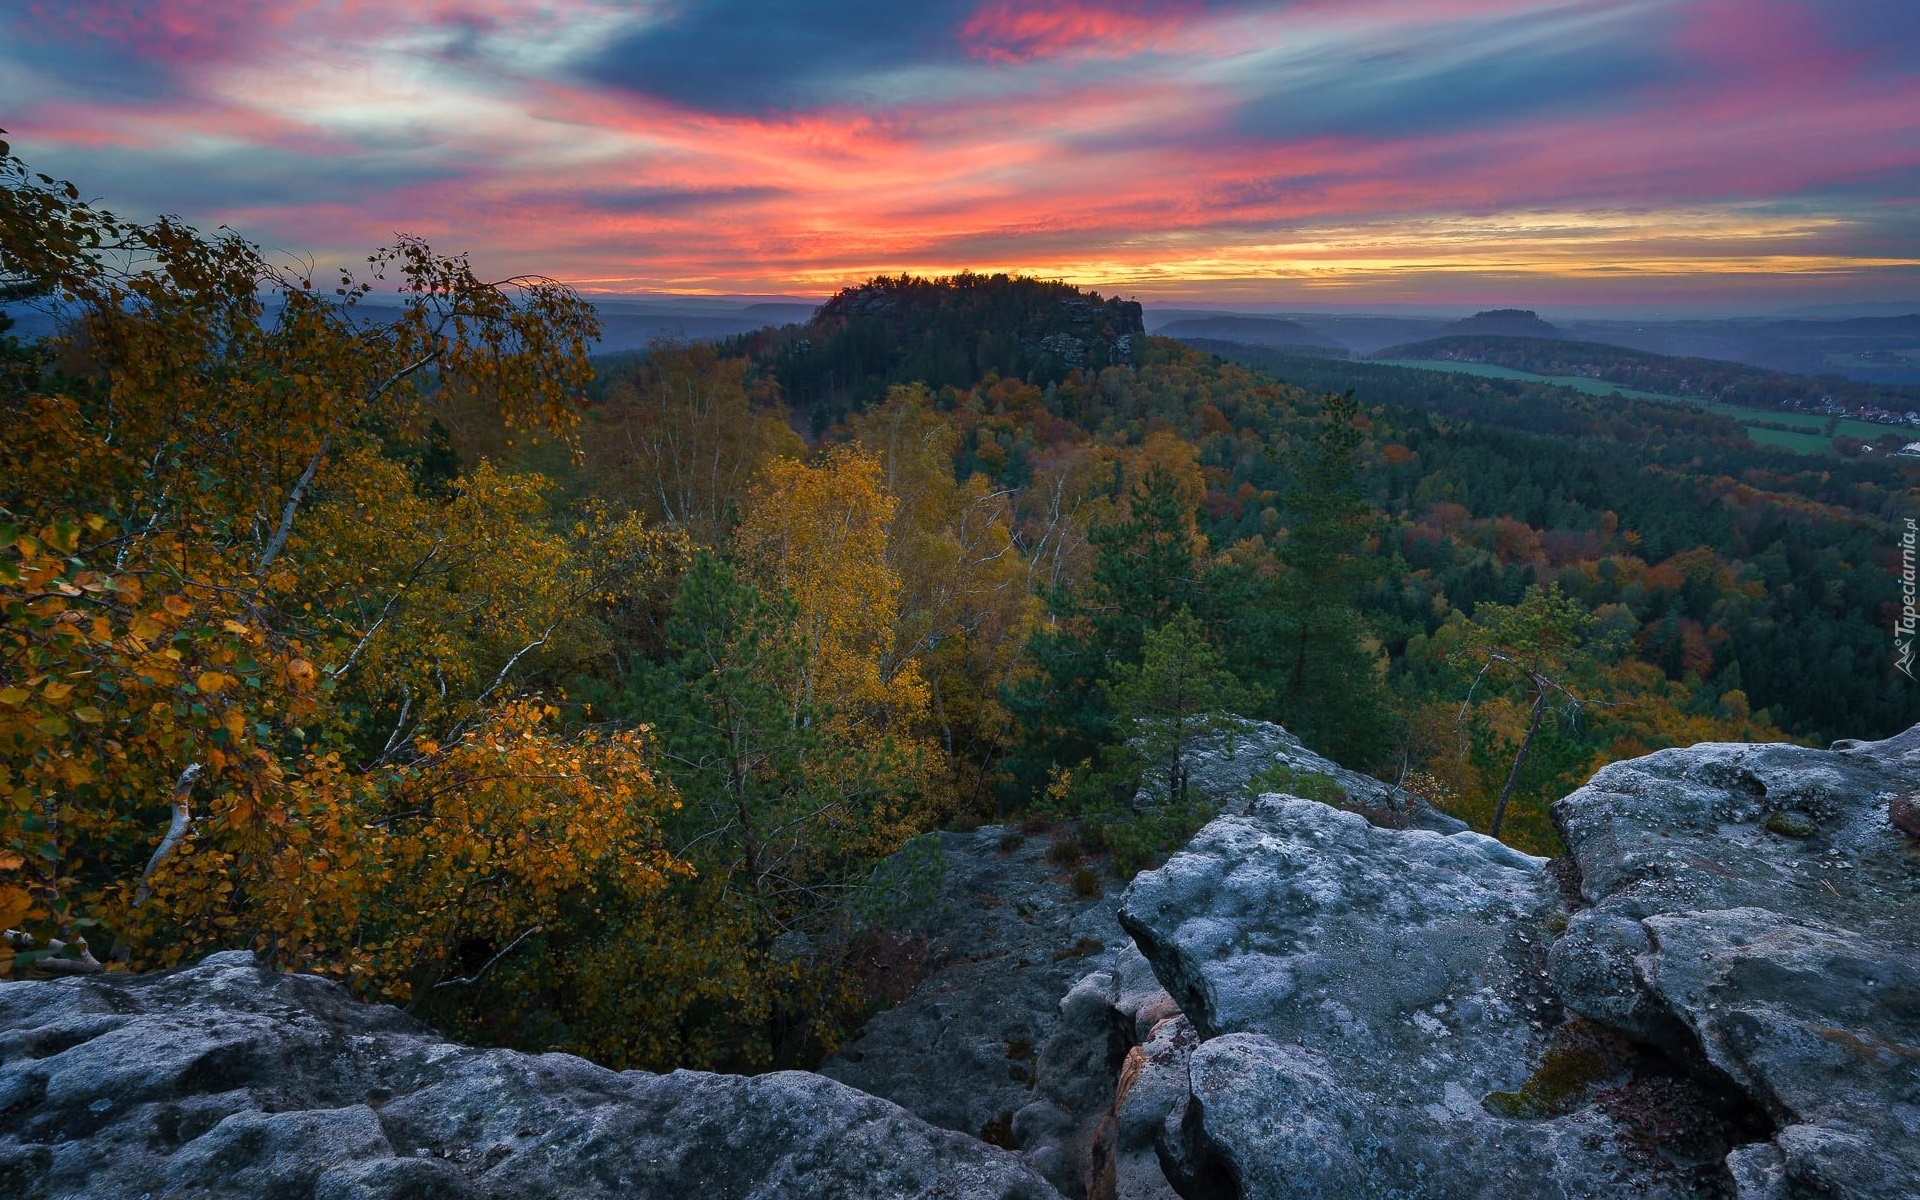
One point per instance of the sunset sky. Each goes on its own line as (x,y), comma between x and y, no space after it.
(1725,154)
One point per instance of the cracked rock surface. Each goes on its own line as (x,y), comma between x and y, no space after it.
(1718,996)
(1006,938)
(1358,993)
(1035,995)
(229,1080)
(975,1047)
(1759,903)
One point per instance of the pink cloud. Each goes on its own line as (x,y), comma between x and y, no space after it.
(1008,32)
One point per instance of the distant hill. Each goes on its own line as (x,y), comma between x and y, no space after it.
(1709,379)
(1251,331)
(1503,322)
(948,332)
(1877,350)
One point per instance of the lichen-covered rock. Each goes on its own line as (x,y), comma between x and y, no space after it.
(226,1080)
(1377,1018)
(1786,952)
(1300,913)
(1226,769)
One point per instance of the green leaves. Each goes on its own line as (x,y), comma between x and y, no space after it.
(1179,695)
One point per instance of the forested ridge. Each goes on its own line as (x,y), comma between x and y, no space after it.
(589,711)
(1714,379)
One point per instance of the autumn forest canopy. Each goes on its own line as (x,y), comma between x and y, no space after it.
(361,619)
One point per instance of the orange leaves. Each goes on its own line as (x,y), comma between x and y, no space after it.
(164,624)
(110,703)
(481,838)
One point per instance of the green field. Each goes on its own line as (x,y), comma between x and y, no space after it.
(1579,383)
(1803,443)
(1815,441)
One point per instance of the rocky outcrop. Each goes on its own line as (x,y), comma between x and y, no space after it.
(1717,995)
(1358,992)
(229,1080)
(1255,757)
(1034,996)
(1755,904)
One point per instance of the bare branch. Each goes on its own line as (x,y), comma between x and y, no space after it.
(176,829)
(1460,721)
(399,726)
(395,379)
(388,609)
(280,535)
(502,676)
(470,980)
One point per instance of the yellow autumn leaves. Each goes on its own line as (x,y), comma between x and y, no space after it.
(224,603)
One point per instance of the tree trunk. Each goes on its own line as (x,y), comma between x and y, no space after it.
(1513,776)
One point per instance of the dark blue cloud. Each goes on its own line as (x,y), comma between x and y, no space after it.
(96,71)
(750,56)
(142,180)
(757,56)
(1884,30)
(1472,77)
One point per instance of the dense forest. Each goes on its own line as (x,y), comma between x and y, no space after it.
(604,710)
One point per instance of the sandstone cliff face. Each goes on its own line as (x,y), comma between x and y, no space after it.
(225,1080)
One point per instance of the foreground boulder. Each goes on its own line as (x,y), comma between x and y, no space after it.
(1758,906)
(229,1080)
(1358,993)
(1718,994)
(1033,996)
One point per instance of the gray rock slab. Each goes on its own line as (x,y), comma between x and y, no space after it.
(1359,991)
(1758,902)
(1223,769)
(227,1080)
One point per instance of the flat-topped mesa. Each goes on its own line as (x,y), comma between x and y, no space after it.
(1733,1007)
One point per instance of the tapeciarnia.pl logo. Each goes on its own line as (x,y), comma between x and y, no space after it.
(1903,629)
